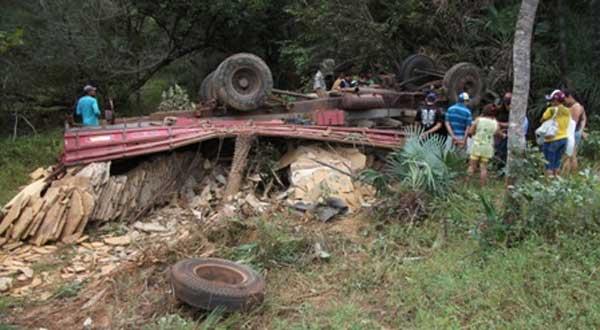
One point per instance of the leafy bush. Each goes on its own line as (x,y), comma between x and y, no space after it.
(529,165)
(547,209)
(559,206)
(590,148)
(175,99)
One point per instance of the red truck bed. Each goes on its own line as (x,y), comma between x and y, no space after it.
(86,145)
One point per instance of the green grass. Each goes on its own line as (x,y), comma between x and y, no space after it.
(380,274)
(376,281)
(19,158)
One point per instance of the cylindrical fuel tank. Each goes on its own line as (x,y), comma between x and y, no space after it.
(362,102)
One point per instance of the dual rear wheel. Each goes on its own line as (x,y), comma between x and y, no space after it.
(242,81)
(417,70)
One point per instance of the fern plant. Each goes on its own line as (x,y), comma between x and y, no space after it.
(425,164)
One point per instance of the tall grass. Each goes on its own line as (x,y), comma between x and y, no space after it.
(18,158)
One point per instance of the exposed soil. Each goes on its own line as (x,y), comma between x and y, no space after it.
(137,292)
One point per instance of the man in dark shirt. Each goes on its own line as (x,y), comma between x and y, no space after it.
(431,117)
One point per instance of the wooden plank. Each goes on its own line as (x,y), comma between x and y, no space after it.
(50,199)
(74,215)
(88,203)
(21,225)
(62,219)
(49,222)
(14,212)
(32,190)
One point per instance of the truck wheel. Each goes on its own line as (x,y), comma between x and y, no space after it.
(409,70)
(243,82)
(210,283)
(207,91)
(464,77)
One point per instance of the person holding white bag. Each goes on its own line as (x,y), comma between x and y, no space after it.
(555,131)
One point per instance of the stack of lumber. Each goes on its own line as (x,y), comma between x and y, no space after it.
(59,210)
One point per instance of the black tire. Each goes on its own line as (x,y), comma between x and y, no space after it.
(243,82)
(207,91)
(210,283)
(409,68)
(464,77)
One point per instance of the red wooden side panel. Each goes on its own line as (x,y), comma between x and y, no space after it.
(101,144)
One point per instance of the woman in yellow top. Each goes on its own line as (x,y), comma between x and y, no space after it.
(483,131)
(554,146)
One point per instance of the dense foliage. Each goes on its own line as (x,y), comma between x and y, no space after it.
(49,49)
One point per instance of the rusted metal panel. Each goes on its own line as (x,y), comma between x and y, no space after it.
(362,102)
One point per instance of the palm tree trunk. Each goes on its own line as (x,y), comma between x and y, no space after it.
(522,76)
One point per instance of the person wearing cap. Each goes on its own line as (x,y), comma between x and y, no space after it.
(458,121)
(87,107)
(554,146)
(431,117)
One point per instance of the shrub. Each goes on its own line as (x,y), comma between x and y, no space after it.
(590,148)
(547,209)
(402,206)
(175,99)
(529,165)
(427,165)
(559,206)
(272,245)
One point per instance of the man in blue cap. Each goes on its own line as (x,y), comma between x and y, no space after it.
(431,117)
(87,107)
(458,121)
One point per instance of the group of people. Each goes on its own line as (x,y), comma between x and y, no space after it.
(569,119)
(343,79)
(486,137)
(346,80)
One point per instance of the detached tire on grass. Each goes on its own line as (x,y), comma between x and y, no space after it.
(210,283)
(464,77)
(243,81)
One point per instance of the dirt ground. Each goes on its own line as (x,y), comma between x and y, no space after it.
(138,292)
(117,276)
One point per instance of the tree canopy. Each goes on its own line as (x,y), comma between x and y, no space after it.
(49,49)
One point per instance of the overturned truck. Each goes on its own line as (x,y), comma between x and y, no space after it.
(238,98)
(238,101)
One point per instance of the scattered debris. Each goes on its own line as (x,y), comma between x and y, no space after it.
(59,211)
(40,173)
(5,284)
(150,227)
(88,324)
(320,252)
(321,177)
(257,205)
(120,240)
